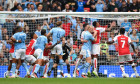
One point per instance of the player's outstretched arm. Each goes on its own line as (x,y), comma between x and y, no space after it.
(14,40)
(110,42)
(51,46)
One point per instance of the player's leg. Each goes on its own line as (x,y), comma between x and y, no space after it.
(96,52)
(68,67)
(87,64)
(121,61)
(46,62)
(42,69)
(39,54)
(32,60)
(10,66)
(18,58)
(14,62)
(77,62)
(130,61)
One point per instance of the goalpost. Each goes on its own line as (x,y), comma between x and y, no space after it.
(108,65)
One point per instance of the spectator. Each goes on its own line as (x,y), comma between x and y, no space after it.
(38,31)
(4,34)
(45,26)
(30,2)
(112,5)
(73,4)
(11,3)
(23,25)
(9,25)
(32,25)
(1,8)
(128,3)
(100,6)
(124,7)
(134,38)
(79,27)
(137,24)
(67,8)
(52,22)
(91,4)
(119,3)
(60,3)
(104,50)
(131,29)
(54,7)
(134,6)
(32,8)
(73,20)
(28,8)
(46,5)
(39,8)
(80,4)
(14,7)
(112,49)
(67,26)
(71,38)
(19,8)
(116,10)
(126,25)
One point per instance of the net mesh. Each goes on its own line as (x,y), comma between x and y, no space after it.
(108,64)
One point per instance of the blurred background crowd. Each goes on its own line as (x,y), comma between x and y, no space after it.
(71,5)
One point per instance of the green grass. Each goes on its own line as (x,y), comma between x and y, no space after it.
(70,81)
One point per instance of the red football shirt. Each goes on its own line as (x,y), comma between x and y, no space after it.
(12,49)
(30,48)
(99,31)
(66,27)
(47,51)
(123,44)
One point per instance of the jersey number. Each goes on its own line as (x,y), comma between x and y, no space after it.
(58,35)
(123,41)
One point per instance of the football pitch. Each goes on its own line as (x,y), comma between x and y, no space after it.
(70,81)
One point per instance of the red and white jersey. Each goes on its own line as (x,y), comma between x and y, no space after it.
(123,44)
(12,49)
(47,51)
(30,48)
(99,31)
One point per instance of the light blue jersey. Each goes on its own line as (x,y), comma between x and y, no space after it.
(126,26)
(20,36)
(41,42)
(57,34)
(87,36)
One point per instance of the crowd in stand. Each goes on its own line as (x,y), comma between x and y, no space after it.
(71,5)
(73,25)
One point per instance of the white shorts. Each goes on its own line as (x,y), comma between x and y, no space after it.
(125,58)
(30,59)
(20,54)
(12,55)
(85,53)
(95,49)
(46,58)
(38,53)
(57,49)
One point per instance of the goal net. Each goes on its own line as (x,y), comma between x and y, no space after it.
(108,64)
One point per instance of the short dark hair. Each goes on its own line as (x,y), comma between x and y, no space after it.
(85,25)
(14,31)
(43,31)
(94,23)
(32,35)
(18,27)
(58,23)
(122,30)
